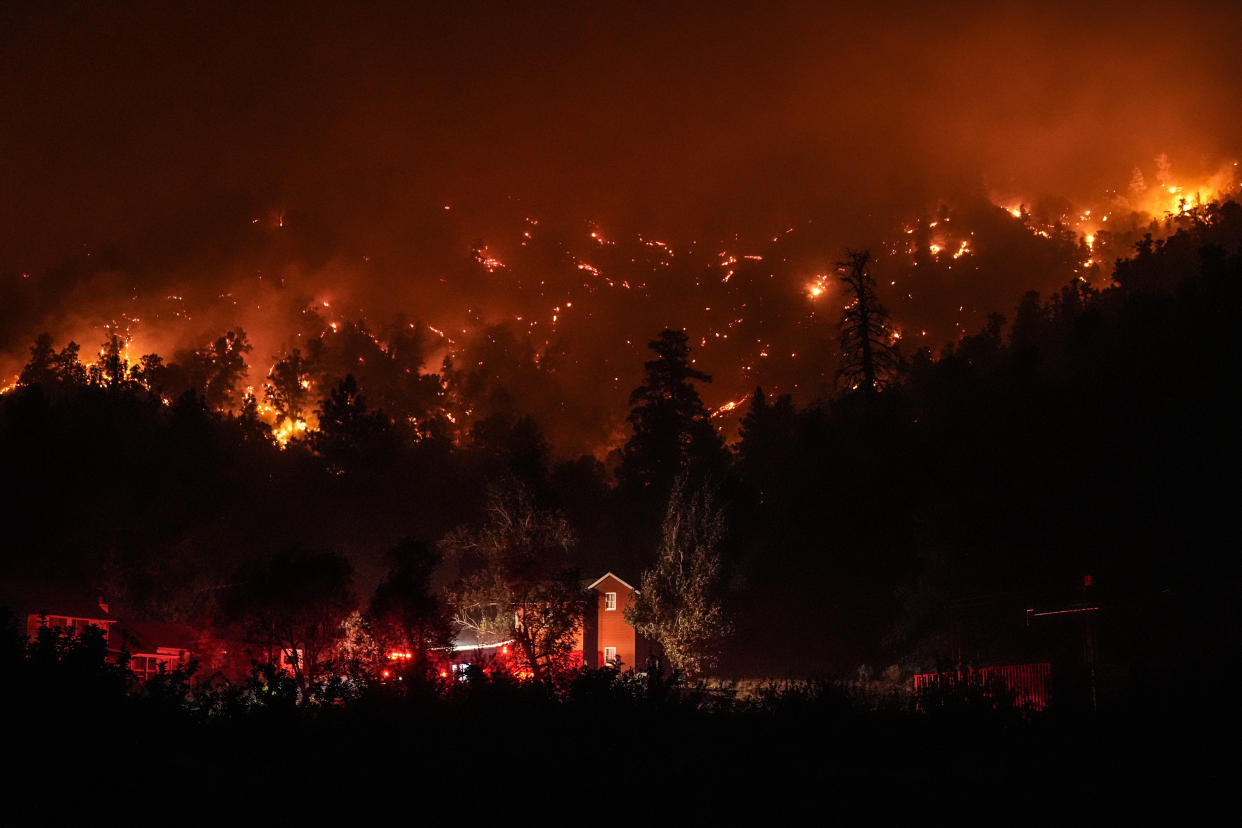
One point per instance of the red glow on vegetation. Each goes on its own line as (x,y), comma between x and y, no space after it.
(1028,683)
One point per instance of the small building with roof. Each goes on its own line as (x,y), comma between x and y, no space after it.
(608,639)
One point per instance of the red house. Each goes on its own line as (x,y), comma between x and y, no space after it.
(73,617)
(607,638)
(148,644)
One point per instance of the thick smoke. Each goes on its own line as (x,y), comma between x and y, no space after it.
(175,174)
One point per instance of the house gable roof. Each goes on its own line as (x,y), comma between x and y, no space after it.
(617,577)
(149,636)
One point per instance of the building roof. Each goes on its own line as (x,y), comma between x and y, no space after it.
(149,636)
(625,583)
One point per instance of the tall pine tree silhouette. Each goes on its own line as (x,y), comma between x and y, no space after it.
(868,359)
(673,434)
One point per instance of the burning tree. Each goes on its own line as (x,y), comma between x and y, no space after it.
(111,368)
(868,357)
(520,586)
(220,368)
(679,602)
(288,387)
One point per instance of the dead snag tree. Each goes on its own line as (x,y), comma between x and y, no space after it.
(868,356)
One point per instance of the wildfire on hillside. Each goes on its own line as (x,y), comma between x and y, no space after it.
(556,323)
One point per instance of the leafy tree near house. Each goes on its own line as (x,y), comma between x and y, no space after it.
(679,602)
(518,583)
(292,608)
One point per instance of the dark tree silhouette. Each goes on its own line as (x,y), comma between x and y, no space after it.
(508,445)
(673,434)
(48,368)
(292,608)
(248,423)
(221,367)
(348,431)
(406,614)
(672,429)
(868,357)
(151,373)
(767,438)
(41,369)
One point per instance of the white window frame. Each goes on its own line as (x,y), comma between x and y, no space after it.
(610,601)
(609,659)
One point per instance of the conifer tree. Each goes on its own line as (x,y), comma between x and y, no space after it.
(868,357)
(672,428)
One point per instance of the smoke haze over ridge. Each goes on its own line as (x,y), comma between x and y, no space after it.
(238,165)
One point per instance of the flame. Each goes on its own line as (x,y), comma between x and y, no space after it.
(818,285)
(1170,199)
(289,429)
(729,406)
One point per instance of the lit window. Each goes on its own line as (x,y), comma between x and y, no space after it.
(610,655)
(610,600)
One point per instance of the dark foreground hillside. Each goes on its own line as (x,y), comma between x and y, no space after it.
(493,750)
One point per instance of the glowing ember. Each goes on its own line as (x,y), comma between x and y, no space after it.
(729,406)
(490,263)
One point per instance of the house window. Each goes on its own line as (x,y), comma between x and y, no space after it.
(610,600)
(610,655)
(146,667)
(143,667)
